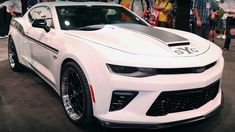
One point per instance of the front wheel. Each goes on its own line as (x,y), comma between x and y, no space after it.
(75,94)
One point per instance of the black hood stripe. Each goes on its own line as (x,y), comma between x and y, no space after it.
(164,36)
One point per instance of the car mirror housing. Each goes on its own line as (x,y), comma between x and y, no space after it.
(41,23)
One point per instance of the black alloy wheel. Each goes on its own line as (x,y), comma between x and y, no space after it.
(75,94)
(13,57)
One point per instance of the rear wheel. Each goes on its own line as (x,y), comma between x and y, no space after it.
(13,57)
(75,94)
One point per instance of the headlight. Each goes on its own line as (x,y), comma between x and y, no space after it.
(132,71)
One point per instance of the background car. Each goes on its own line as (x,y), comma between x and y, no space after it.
(108,64)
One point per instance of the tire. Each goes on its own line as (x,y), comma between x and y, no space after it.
(75,95)
(13,57)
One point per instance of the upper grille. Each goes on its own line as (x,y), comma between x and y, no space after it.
(185,70)
(183,100)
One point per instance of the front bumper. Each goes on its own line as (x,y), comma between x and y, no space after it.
(163,125)
(149,88)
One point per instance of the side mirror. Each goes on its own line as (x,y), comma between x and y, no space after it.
(41,23)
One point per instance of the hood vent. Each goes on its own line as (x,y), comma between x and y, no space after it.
(178,44)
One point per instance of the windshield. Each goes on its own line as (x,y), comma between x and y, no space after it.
(76,17)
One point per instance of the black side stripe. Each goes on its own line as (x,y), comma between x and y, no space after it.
(20,29)
(42,44)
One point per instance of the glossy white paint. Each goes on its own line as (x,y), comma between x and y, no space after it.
(115,45)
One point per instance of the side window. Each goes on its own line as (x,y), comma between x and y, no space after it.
(42,13)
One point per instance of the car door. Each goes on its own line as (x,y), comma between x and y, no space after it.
(43,52)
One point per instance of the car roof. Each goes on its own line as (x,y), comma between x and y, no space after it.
(68,3)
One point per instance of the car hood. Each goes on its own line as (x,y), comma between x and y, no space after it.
(143,40)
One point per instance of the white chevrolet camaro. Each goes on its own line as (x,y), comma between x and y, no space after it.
(108,64)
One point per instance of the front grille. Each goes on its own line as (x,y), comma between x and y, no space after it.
(185,70)
(183,100)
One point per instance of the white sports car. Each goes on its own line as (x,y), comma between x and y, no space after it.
(106,63)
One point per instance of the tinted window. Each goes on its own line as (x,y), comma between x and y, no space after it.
(75,17)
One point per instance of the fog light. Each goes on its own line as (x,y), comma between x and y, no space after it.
(120,99)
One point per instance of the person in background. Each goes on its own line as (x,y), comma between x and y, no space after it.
(4,19)
(171,14)
(24,6)
(139,7)
(31,3)
(222,20)
(125,3)
(201,12)
(191,19)
(214,10)
(113,1)
(15,8)
(164,7)
(230,22)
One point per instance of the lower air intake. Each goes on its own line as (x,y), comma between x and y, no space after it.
(121,99)
(177,101)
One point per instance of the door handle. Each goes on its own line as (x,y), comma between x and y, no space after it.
(26,33)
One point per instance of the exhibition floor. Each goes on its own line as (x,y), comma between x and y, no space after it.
(28,104)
